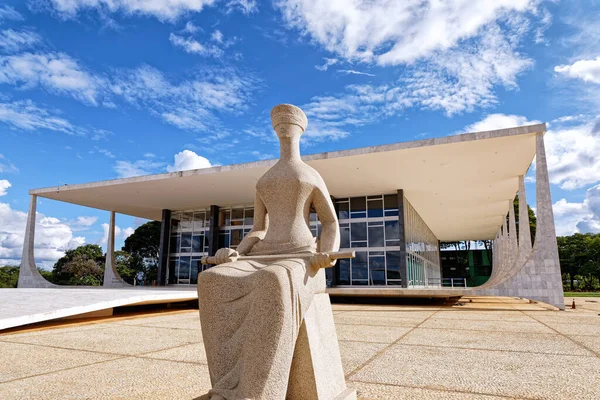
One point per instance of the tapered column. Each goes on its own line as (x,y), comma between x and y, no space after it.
(163,258)
(524,232)
(29,276)
(402,230)
(539,277)
(111,276)
(512,235)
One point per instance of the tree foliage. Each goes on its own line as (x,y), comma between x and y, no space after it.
(145,241)
(75,267)
(580,260)
(9,277)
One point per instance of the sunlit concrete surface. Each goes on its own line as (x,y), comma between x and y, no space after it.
(26,306)
(490,348)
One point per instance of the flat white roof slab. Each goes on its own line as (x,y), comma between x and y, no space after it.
(460,185)
(27,306)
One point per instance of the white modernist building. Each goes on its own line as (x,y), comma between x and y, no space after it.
(395,204)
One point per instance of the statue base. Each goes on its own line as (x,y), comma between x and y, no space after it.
(317,371)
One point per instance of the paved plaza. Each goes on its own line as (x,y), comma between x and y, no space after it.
(486,348)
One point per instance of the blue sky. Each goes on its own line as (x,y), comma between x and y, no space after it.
(101,89)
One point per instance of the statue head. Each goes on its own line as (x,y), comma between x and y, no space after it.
(288,121)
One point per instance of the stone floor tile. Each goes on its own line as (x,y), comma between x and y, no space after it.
(193,353)
(485,325)
(115,339)
(490,315)
(379,318)
(354,354)
(591,342)
(521,375)
(370,391)
(126,378)
(511,341)
(22,360)
(368,333)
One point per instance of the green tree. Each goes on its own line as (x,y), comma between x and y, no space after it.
(532,219)
(83,270)
(9,276)
(573,252)
(145,240)
(92,252)
(144,243)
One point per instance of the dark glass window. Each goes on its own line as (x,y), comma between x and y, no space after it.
(249,216)
(390,204)
(377,270)
(186,242)
(236,236)
(237,216)
(344,268)
(358,231)
(376,236)
(173,267)
(359,267)
(375,208)
(358,207)
(174,245)
(392,233)
(343,210)
(392,259)
(197,244)
(223,239)
(224,217)
(344,236)
(194,269)
(184,269)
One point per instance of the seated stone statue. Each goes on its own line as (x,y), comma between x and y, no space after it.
(251,311)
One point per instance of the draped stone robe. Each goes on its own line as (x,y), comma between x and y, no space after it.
(251,311)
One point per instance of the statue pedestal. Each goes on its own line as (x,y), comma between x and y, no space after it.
(317,371)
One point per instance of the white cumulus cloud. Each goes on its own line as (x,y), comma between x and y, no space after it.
(56,72)
(572,154)
(120,233)
(164,10)
(52,237)
(12,41)
(587,70)
(4,185)
(394,32)
(576,217)
(190,45)
(499,121)
(186,160)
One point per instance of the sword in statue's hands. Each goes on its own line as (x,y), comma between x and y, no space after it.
(321,260)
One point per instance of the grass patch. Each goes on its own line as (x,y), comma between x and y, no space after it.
(582,294)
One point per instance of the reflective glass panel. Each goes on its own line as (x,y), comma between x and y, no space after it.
(344,268)
(249,216)
(343,210)
(358,207)
(375,208)
(344,236)
(197,245)
(377,270)
(359,266)
(376,236)
(184,269)
(358,231)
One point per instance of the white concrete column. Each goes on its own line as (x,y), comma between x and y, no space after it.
(512,233)
(111,276)
(524,232)
(29,276)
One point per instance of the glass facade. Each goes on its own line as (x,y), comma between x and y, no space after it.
(189,242)
(368,224)
(422,250)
